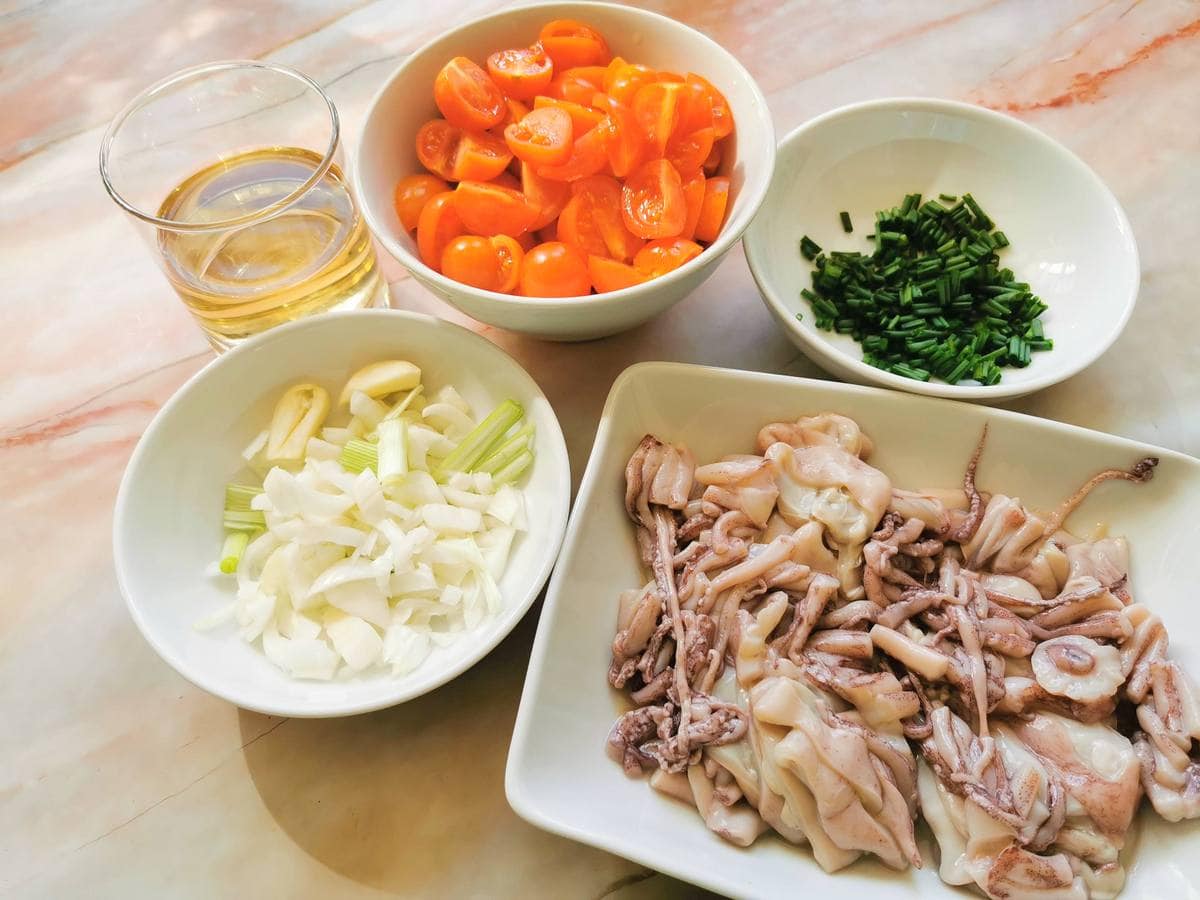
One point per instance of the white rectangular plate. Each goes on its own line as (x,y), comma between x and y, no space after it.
(559,776)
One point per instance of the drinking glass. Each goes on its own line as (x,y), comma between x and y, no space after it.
(232,172)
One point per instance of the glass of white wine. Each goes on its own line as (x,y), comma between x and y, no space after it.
(232,172)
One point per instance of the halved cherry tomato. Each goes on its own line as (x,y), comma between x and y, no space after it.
(509,255)
(583,118)
(713,163)
(589,155)
(592,219)
(569,43)
(437,146)
(687,152)
(489,209)
(466,95)
(544,137)
(656,107)
(555,270)
(472,260)
(622,81)
(411,194)
(481,156)
(652,201)
(438,226)
(665,255)
(627,146)
(577,85)
(722,115)
(514,111)
(712,212)
(521,73)
(546,197)
(693,193)
(611,275)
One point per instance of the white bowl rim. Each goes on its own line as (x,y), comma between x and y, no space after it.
(827,352)
(307,709)
(725,240)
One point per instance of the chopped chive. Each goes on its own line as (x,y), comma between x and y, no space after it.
(931,298)
(476,445)
(238,497)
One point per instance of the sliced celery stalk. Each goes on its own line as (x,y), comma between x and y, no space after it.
(392,451)
(513,470)
(398,410)
(358,454)
(232,550)
(480,440)
(508,451)
(244,520)
(238,497)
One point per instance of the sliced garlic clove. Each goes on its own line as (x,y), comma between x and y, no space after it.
(382,378)
(1077,667)
(298,415)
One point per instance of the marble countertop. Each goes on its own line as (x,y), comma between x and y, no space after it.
(118,778)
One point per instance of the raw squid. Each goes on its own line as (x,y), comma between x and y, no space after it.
(819,653)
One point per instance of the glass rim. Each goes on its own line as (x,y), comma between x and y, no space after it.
(267,212)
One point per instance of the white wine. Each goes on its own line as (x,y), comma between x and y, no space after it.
(315,255)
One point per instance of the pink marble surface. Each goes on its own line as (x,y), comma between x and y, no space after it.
(118,777)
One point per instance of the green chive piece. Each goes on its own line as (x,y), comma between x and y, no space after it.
(478,443)
(847,226)
(358,454)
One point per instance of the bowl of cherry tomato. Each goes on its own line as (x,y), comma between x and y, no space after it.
(565,170)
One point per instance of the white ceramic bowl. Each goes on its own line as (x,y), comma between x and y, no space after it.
(559,776)
(167,524)
(386,153)
(1070,238)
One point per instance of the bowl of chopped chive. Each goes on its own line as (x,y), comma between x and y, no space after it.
(943,249)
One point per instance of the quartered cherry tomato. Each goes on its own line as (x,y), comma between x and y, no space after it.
(437,146)
(555,270)
(412,192)
(467,97)
(578,84)
(438,225)
(622,80)
(583,118)
(521,73)
(653,203)
(693,193)
(456,155)
(712,211)
(588,156)
(592,221)
(545,197)
(722,115)
(627,146)
(480,157)
(656,107)
(713,163)
(489,209)
(544,137)
(569,43)
(492,264)
(687,152)
(665,255)
(612,275)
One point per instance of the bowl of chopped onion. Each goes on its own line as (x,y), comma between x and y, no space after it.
(341,514)
(943,249)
